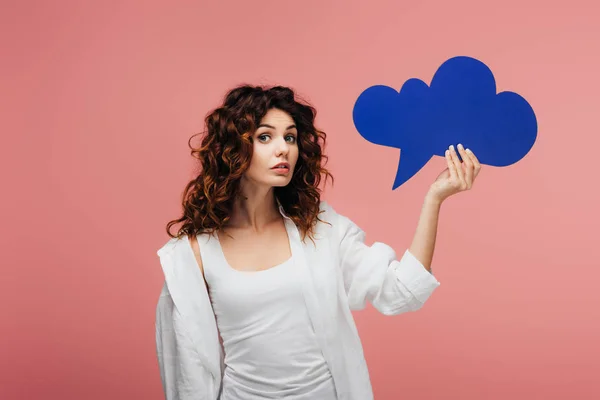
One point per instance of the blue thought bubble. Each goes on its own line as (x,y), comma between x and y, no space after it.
(460,106)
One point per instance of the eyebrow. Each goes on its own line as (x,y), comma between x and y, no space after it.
(272,127)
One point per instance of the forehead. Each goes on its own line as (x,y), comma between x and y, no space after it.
(277,118)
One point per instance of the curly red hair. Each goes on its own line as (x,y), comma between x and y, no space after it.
(225,153)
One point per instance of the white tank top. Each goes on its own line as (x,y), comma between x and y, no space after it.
(271,351)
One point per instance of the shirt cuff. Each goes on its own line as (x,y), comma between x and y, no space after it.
(420,282)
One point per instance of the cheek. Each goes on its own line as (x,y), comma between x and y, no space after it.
(259,158)
(294,154)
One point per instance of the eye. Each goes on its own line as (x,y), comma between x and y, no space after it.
(263,138)
(291,138)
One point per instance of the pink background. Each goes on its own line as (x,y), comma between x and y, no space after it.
(98,100)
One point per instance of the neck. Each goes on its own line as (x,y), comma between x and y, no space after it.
(254,208)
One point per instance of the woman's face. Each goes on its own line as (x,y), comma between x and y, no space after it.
(275,150)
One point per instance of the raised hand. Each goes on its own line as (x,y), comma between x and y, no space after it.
(458,177)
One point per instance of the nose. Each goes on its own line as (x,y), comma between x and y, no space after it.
(282,148)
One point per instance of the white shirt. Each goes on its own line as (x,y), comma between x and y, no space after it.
(339,273)
(271,350)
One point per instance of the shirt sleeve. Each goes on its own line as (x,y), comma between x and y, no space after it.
(181,374)
(374,274)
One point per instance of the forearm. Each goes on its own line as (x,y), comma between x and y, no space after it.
(423,243)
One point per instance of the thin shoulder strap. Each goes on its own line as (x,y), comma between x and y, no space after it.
(208,253)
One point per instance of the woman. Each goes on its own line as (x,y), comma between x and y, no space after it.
(261,277)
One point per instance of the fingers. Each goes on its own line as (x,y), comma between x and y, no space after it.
(451,167)
(476,164)
(468,166)
(457,165)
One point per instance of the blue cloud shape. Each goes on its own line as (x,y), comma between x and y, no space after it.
(460,106)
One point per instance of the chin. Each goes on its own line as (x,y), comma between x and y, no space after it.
(281,183)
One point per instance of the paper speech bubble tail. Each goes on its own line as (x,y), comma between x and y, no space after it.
(409,165)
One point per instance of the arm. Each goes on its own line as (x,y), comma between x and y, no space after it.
(374,273)
(423,243)
(457,177)
(181,376)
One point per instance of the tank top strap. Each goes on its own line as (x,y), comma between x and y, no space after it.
(209,252)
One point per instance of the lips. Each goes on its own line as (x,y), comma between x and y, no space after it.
(282,165)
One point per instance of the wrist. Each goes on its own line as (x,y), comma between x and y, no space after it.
(433,199)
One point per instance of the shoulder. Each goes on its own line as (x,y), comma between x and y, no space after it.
(177,246)
(326,210)
(172,245)
(329,214)
(340,224)
(336,222)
